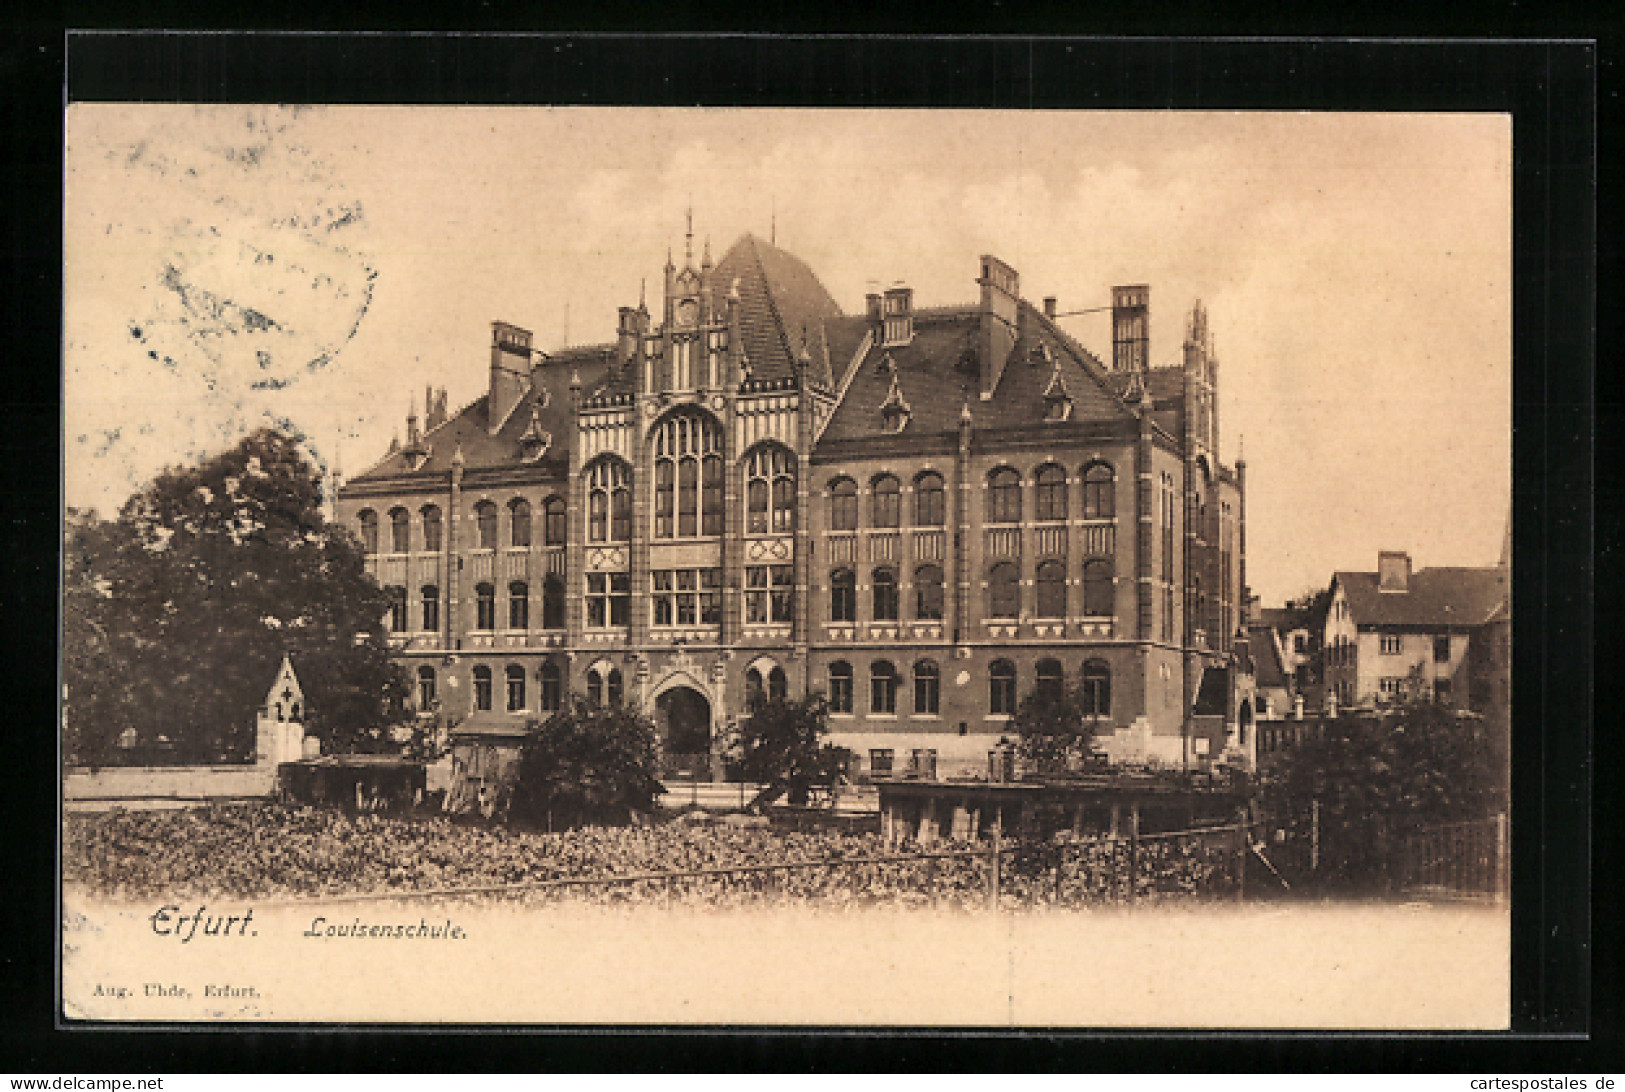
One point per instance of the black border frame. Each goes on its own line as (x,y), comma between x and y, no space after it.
(1549,88)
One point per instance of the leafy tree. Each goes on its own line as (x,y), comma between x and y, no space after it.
(587,764)
(177,614)
(1377,779)
(781,744)
(1055,731)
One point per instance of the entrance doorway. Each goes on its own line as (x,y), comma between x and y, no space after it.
(685,721)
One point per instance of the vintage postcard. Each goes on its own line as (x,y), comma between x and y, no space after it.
(585,566)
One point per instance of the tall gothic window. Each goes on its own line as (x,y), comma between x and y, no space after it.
(682,441)
(770,491)
(400,531)
(431,529)
(609,502)
(930,501)
(1003,591)
(886,502)
(928,593)
(1004,496)
(369,530)
(1050,503)
(1097,689)
(1097,588)
(884,583)
(519,522)
(1051,601)
(1097,491)
(840,687)
(711,500)
(485,518)
(843,505)
(555,521)
(843,596)
(516,688)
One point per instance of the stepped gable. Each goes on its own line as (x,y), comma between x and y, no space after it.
(938,371)
(1443,596)
(779,298)
(469,427)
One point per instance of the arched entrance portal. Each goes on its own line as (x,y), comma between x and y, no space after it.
(685,721)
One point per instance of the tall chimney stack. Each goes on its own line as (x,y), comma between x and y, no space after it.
(1393,571)
(1001,297)
(510,371)
(1131,327)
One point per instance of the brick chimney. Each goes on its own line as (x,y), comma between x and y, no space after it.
(1131,327)
(898,309)
(510,371)
(1393,571)
(1000,299)
(1049,307)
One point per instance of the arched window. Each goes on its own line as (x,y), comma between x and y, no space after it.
(1050,503)
(927,689)
(397,608)
(1098,488)
(1051,678)
(482,687)
(431,529)
(595,687)
(518,605)
(770,491)
(552,687)
(485,517)
(840,687)
(555,521)
(712,503)
(884,582)
(1097,588)
(519,522)
(614,686)
(426,689)
(886,502)
(516,688)
(930,501)
(1003,591)
(485,606)
(754,692)
(928,593)
(369,530)
(553,603)
(843,505)
(400,531)
(609,502)
(431,608)
(1051,601)
(843,596)
(1004,496)
(778,685)
(1001,690)
(1097,689)
(882,687)
(682,441)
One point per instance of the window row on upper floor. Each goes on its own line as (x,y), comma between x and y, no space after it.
(1004,598)
(1005,490)
(1093,692)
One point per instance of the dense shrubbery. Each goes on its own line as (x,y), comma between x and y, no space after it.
(271,851)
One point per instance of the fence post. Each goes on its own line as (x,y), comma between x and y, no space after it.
(1242,849)
(1501,885)
(1314,835)
(1133,852)
(993,871)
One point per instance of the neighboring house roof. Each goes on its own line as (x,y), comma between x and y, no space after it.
(1280,619)
(939,373)
(1435,597)
(1267,668)
(547,403)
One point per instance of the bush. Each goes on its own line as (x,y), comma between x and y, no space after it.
(587,764)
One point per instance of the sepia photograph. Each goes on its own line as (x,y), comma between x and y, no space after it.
(792,567)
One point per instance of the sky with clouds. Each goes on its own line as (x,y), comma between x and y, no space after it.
(316,267)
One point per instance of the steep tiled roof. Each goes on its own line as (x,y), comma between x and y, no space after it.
(1267,669)
(938,374)
(779,299)
(1435,597)
(547,402)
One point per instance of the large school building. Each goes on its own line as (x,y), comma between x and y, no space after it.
(923,512)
